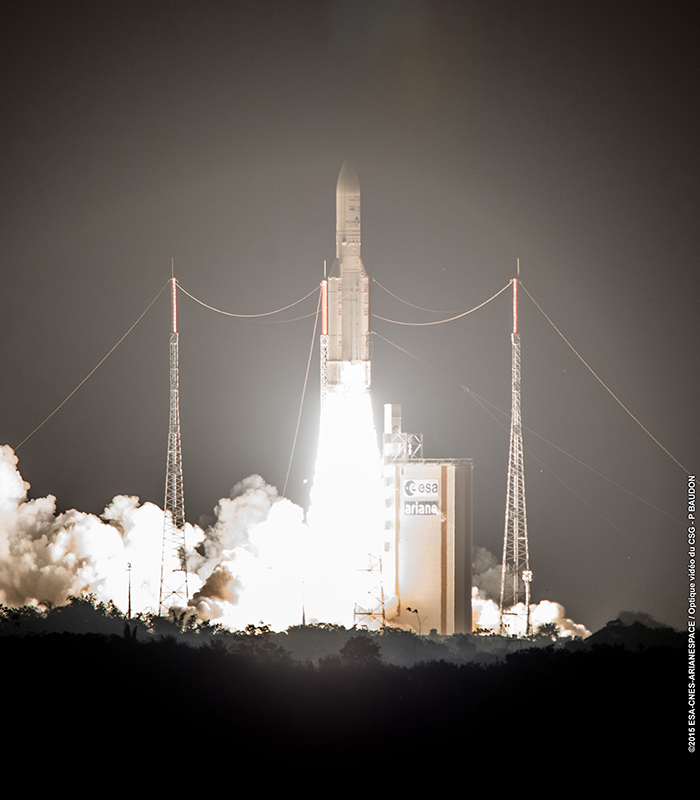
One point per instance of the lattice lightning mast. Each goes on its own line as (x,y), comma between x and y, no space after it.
(173,572)
(516,575)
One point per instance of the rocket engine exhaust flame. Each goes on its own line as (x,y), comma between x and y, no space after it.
(345,518)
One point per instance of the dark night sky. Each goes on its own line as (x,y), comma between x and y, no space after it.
(564,134)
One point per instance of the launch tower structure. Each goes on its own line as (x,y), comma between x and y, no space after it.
(428,533)
(324,339)
(173,571)
(516,575)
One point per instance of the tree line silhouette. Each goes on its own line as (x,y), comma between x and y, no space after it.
(323,690)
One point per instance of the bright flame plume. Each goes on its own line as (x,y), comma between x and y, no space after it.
(346,514)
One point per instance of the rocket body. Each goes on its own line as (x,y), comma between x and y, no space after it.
(348,291)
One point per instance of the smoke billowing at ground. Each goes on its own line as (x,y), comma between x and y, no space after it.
(485,603)
(257,562)
(46,557)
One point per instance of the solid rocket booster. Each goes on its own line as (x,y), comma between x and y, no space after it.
(348,290)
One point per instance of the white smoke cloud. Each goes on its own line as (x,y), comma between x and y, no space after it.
(547,611)
(247,567)
(486,573)
(486,593)
(47,557)
(252,559)
(257,562)
(486,610)
(236,517)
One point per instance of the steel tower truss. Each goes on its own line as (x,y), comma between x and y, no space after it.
(515,575)
(324,371)
(173,574)
(370,613)
(324,342)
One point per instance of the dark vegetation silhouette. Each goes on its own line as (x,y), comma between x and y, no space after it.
(323,691)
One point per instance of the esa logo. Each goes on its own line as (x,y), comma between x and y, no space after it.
(421,489)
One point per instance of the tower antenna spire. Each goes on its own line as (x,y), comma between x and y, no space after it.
(173,570)
(516,575)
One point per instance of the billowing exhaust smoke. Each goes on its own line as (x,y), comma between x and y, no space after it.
(257,562)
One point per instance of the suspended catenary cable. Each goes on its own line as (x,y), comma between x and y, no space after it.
(449,319)
(303,395)
(248,316)
(574,492)
(227,313)
(600,381)
(413,305)
(484,403)
(94,369)
(282,321)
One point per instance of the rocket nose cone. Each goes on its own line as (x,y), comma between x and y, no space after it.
(347,180)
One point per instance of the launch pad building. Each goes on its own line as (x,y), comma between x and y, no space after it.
(429,532)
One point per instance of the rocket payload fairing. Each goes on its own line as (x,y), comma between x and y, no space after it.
(347,301)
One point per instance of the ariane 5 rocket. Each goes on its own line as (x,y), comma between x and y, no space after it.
(346,301)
